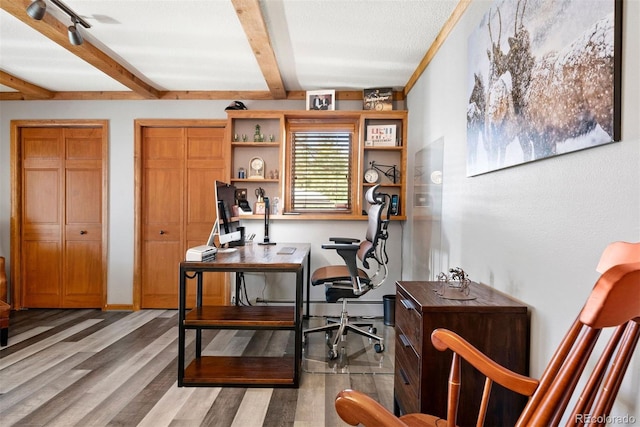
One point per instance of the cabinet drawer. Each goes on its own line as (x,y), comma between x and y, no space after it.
(409,321)
(407,378)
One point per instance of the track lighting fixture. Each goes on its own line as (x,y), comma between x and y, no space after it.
(38,8)
(75,37)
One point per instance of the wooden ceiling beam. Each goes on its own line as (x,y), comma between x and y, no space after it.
(437,43)
(255,28)
(210,95)
(28,90)
(57,32)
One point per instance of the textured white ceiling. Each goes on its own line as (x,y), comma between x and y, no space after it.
(200,45)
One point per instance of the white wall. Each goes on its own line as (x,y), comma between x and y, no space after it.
(121,116)
(535,231)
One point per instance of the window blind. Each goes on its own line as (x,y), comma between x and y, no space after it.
(321,172)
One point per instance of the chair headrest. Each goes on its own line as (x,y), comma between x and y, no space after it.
(372,195)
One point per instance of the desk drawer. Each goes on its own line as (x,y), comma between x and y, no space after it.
(407,378)
(409,322)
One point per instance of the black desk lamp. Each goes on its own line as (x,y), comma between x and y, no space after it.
(267,209)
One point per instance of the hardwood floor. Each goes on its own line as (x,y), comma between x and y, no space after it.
(94,368)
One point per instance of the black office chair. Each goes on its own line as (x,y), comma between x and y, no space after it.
(347,281)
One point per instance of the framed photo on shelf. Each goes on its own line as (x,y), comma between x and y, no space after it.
(321,100)
(378,99)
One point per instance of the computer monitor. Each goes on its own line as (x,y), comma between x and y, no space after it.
(225,225)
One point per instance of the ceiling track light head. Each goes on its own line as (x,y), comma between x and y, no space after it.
(74,16)
(37,9)
(75,37)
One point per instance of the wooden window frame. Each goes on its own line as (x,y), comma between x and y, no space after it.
(349,125)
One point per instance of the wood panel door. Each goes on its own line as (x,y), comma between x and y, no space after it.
(61,245)
(179,168)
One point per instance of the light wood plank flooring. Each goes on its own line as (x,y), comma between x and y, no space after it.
(94,368)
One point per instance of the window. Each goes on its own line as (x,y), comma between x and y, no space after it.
(321,169)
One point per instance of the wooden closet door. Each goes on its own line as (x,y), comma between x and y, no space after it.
(180,167)
(82,271)
(62,255)
(205,164)
(162,198)
(42,209)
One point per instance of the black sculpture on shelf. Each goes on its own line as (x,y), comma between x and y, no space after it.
(391,172)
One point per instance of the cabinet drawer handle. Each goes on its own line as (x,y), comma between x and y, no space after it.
(405,379)
(83,232)
(161,231)
(407,304)
(405,340)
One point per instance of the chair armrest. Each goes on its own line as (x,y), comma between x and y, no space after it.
(357,408)
(341,246)
(348,252)
(343,240)
(443,339)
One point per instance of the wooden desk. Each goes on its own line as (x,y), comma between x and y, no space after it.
(237,370)
(496,324)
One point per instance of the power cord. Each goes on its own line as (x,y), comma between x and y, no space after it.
(242,290)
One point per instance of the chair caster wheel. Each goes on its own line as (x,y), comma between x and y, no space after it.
(332,355)
(379,348)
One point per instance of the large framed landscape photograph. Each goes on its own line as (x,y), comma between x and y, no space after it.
(543,80)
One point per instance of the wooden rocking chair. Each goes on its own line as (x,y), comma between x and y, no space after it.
(613,303)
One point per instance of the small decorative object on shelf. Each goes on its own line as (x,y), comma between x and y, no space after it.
(392,172)
(371,176)
(381,136)
(236,105)
(256,167)
(235,137)
(455,286)
(244,137)
(243,203)
(257,137)
(241,173)
(260,205)
(379,99)
(271,138)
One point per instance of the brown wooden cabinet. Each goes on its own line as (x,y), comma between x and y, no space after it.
(496,324)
